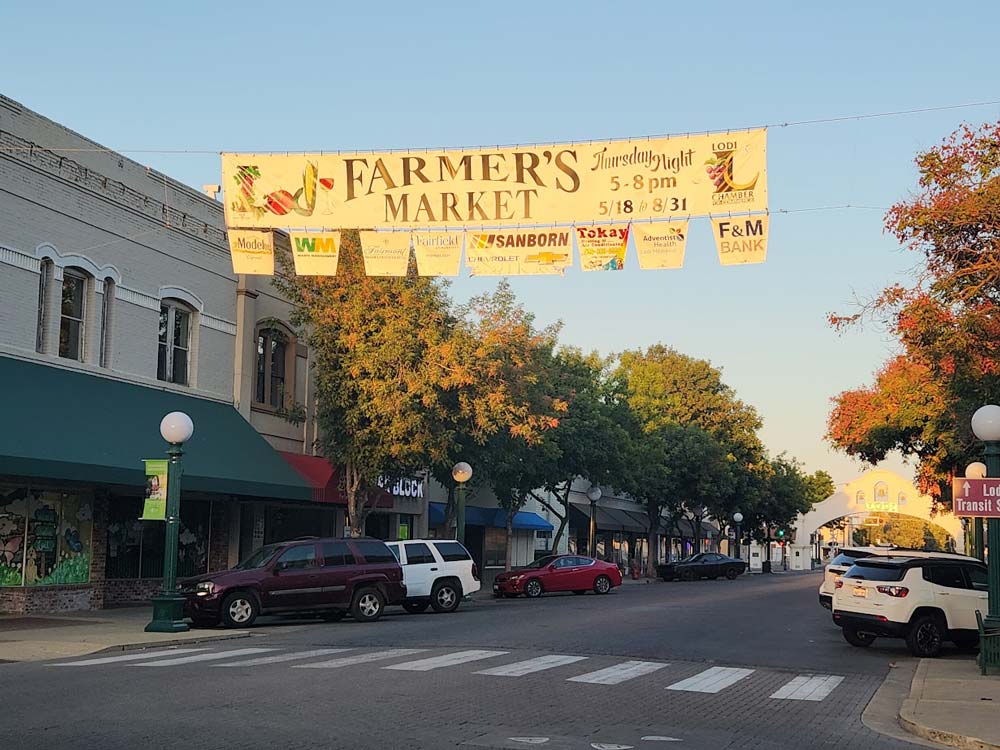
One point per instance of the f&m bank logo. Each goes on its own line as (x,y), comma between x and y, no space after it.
(741,239)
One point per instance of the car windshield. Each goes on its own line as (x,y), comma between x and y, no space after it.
(692,558)
(876,572)
(259,558)
(542,562)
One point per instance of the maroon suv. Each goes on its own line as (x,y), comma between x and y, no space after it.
(330,577)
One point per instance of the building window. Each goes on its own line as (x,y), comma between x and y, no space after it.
(271,382)
(172,361)
(107,312)
(135,547)
(44,281)
(71,327)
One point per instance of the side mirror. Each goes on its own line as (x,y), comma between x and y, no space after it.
(278,567)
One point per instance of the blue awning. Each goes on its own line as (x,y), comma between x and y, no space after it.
(492,517)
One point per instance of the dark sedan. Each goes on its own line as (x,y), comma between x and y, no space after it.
(703,565)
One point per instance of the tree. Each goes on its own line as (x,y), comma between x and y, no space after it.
(948,323)
(788,492)
(505,399)
(380,347)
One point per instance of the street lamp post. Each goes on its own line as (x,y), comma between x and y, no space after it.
(986,426)
(738,519)
(977,470)
(593,494)
(168,606)
(461,473)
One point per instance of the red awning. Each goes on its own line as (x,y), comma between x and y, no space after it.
(321,475)
(324,478)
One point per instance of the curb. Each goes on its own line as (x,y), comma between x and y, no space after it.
(174,642)
(940,736)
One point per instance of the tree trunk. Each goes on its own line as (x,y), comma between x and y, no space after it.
(554,544)
(451,515)
(652,552)
(357,510)
(510,540)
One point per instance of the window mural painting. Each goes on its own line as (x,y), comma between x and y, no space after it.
(44,537)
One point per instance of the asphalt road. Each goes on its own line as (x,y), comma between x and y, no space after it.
(752,663)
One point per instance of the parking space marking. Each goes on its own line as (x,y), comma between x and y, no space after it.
(529,666)
(203,657)
(712,680)
(628,670)
(127,657)
(808,687)
(346,661)
(282,657)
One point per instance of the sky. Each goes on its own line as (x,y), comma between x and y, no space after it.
(327,76)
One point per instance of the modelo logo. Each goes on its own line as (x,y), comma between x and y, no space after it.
(403,487)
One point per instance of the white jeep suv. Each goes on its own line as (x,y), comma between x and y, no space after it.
(926,600)
(438,573)
(847,556)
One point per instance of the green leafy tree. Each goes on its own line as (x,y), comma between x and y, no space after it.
(380,346)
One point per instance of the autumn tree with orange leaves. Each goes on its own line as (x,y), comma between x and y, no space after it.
(948,323)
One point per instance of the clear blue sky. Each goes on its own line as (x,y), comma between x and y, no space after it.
(328,76)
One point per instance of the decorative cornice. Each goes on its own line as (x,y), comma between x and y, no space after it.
(218,324)
(135,297)
(16,258)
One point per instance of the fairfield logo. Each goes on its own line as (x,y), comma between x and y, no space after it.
(319,245)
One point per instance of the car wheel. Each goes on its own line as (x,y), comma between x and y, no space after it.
(966,642)
(687,575)
(335,616)
(368,605)
(533,588)
(858,638)
(445,596)
(580,592)
(926,636)
(732,574)
(239,610)
(602,585)
(415,608)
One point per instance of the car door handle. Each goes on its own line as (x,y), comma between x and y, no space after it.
(433,570)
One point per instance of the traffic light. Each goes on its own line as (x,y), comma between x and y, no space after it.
(781,535)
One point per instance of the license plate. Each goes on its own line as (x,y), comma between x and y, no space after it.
(861,591)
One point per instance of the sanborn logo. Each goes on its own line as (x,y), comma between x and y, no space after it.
(315,245)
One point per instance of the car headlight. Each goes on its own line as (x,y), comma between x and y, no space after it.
(204,588)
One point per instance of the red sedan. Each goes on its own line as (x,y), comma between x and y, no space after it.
(559,573)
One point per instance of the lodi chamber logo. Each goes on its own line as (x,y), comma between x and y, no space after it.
(722,171)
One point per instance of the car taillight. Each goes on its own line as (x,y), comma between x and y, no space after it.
(475,571)
(838,584)
(897,591)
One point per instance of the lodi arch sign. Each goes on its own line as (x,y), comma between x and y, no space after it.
(878,490)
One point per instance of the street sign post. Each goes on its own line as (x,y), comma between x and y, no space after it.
(978,498)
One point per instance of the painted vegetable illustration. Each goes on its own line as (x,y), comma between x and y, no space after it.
(720,172)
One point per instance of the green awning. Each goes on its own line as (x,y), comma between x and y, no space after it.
(70,425)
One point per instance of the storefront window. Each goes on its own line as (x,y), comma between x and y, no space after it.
(13,515)
(44,537)
(135,548)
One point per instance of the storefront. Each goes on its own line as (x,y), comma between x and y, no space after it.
(402,512)
(486,534)
(622,533)
(71,487)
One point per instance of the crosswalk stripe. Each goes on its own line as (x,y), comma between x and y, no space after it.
(529,666)
(619,673)
(282,657)
(712,680)
(346,661)
(126,657)
(203,657)
(808,687)
(447,660)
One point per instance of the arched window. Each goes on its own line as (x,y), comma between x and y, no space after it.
(72,315)
(274,376)
(859,497)
(901,498)
(881,492)
(173,360)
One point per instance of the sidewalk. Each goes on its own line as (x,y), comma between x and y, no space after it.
(951,703)
(35,637)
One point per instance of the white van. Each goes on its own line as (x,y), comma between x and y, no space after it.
(438,573)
